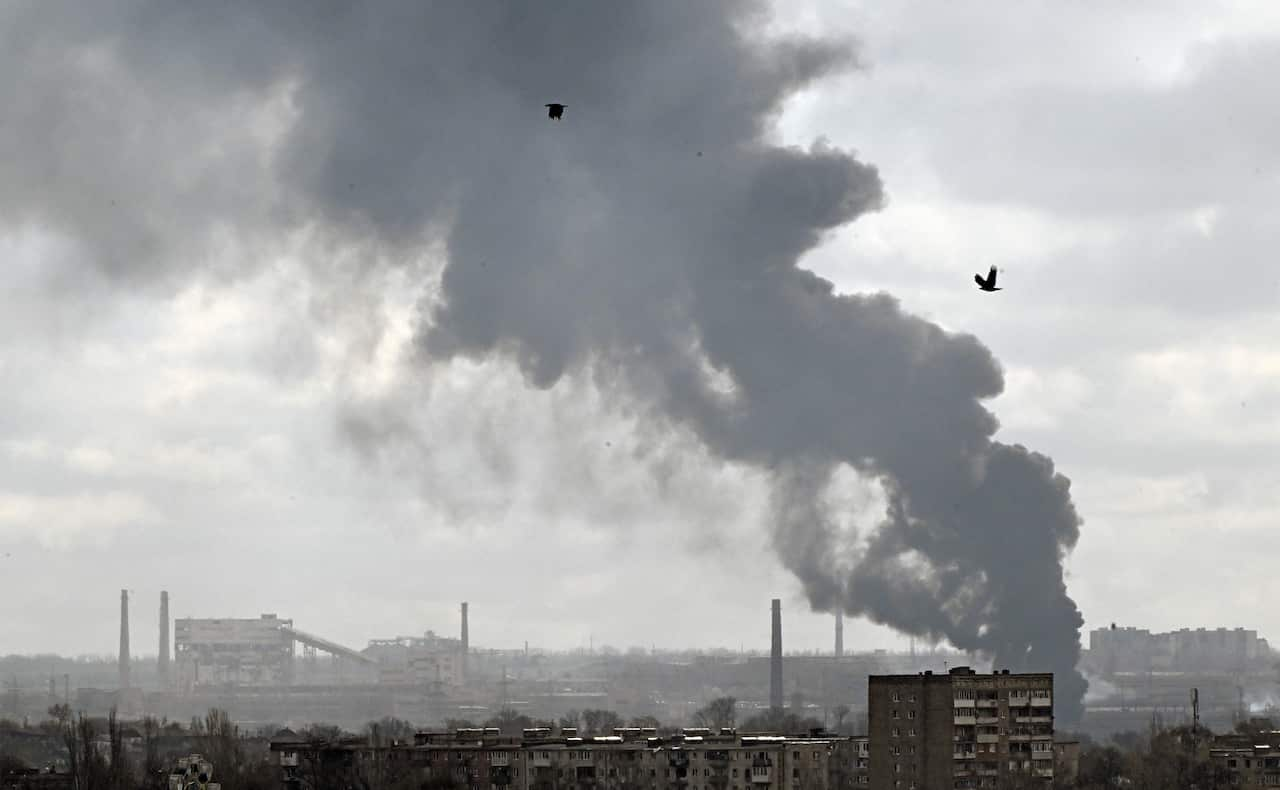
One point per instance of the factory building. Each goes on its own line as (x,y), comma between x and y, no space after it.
(237,652)
(418,661)
(631,757)
(960,730)
(245,652)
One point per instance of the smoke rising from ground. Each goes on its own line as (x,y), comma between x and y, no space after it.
(651,237)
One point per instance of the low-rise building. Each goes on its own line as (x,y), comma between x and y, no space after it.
(1247,760)
(629,759)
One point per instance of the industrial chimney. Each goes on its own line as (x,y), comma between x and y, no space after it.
(162,664)
(124,639)
(839,633)
(466,642)
(775,659)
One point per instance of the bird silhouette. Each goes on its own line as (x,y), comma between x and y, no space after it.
(988,284)
(555,110)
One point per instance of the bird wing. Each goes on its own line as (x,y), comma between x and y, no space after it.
(977,278)
(991,276)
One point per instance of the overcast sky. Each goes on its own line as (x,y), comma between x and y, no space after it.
(177,394)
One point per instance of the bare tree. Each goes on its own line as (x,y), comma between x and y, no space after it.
(510,721)
(570,719)
(390,730)
(718,713)
(91,767)
(841,713)
(153,775)
(600,722)
(220,743)
(119,772)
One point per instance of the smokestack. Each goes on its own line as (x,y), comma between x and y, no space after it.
(839,633)
(775,659)
(162,665)
(466,642)
(124,639)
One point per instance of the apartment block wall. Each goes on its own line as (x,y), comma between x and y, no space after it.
(960,730)
(486,759)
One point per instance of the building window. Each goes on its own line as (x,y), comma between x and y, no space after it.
(895,732)
(911,733)
(911,714)
(895,713)
(894,696)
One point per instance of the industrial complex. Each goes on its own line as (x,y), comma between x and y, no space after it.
(266,671)
(870,719)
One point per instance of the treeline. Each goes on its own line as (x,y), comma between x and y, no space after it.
(1164,757)
(98,754)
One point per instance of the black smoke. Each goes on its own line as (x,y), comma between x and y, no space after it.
(653,236)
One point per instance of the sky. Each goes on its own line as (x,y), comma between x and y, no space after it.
(214,379)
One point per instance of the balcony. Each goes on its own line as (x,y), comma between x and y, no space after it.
(964,703)
(541,760)
(1016,700)
(761,775)
(988,738)
(500,759)
(961,721)
(964,754)
(990,702)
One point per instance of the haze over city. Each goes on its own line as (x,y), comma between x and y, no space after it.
(342,326)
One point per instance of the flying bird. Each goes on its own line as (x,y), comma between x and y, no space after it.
(555,110)
(988,284)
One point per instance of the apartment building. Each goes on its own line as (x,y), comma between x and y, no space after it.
(960,730)
(631,759)
(1246,760)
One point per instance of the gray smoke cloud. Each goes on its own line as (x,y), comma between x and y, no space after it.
(652,237)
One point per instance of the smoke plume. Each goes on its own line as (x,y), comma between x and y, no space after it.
(652,237)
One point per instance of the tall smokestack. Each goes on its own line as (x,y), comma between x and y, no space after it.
(162,665)
(124,639)
(839,633)
(466,642)
(775,659)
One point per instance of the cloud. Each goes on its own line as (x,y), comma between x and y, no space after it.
(58,522)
